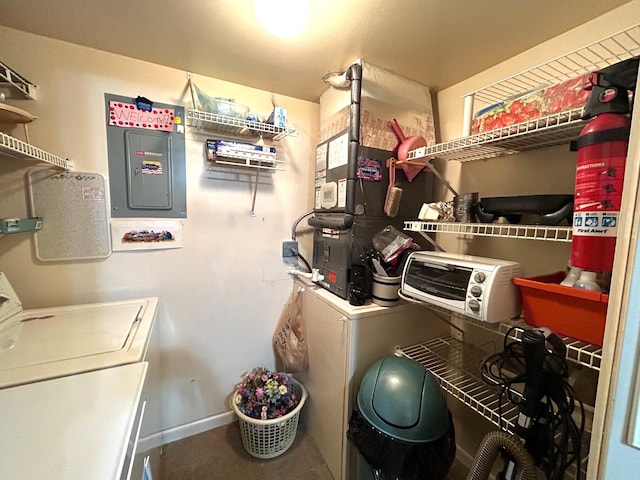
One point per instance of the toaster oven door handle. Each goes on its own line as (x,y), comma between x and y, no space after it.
(439,266)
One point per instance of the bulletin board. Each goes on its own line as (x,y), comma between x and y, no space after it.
(73,209)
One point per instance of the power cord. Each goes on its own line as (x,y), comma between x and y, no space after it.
(550,432)
(299,256)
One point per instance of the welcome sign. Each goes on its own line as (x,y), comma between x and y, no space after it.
(127,115)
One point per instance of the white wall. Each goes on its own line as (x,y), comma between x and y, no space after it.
(220,295)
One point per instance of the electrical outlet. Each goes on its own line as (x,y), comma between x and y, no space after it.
(289,249)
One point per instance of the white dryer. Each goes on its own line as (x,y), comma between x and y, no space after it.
(45,343)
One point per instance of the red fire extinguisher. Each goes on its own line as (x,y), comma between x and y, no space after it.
(602,151)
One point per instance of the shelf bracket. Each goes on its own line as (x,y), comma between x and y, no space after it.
(8,76)
(467,117)
(432,242)
(19,225)
(255,193)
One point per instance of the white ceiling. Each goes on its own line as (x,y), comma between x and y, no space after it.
(434,42)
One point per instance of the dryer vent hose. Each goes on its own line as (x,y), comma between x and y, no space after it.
(492,444)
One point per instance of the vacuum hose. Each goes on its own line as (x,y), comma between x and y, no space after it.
(493,444)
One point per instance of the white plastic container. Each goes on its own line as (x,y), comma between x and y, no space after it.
(572,277)
(587,281)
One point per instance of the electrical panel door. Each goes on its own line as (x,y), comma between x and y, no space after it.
(149,167)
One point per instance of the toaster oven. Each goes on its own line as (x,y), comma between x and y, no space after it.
(477,287)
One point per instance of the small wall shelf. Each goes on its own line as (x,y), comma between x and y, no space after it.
(236,126)
(18,149)
(250,162)
(11,115)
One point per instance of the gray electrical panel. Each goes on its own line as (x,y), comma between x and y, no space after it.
(149,168)
(146,148)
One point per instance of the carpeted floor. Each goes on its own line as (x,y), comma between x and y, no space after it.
(219,454)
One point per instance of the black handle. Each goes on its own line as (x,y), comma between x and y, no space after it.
(533,345)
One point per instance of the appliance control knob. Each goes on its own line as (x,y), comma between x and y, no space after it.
(479,277)
(476,291)
(474,305)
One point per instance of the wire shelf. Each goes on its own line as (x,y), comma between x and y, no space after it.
(13,147)
(236,126)
(595,56)
(249,162)
(527,232)
(556,129)
(578,352)
(455,365)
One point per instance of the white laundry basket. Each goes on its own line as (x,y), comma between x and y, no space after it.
(270,438)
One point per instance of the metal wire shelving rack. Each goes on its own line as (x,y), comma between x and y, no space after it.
(578,352)
(546,131)
(454,363)
(13,147)
(456,367)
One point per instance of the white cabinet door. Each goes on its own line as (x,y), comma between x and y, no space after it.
(327,340)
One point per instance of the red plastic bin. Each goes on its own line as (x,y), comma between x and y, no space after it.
(573,312)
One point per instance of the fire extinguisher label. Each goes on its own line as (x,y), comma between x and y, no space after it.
(599,184)
(595,224)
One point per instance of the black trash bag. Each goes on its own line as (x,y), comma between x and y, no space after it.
(395,459)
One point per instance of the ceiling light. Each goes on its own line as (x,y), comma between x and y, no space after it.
(282,18)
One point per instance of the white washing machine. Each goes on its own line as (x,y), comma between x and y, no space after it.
(45,343)
(82,426)
(46,346)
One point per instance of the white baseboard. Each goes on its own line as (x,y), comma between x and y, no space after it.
(183,431)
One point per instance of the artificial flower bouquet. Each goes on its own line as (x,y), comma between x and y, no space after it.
(265,395)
